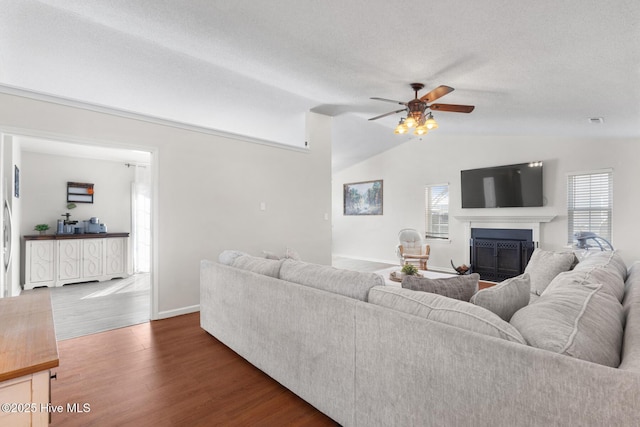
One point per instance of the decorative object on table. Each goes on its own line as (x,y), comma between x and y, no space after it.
(363,198)
(79,192)
(416,110)
(407,270)
(461,269)
(42,228)
(412,249)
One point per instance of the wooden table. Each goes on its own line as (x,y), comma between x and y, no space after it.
(483,284)
(28,350)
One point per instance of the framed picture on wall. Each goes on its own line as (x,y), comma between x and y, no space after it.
(363,198)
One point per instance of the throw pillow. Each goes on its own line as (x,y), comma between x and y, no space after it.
(545,265)
(228,256)
(574,319)
(457,287)
(445,310)
(290,253)
(505,298)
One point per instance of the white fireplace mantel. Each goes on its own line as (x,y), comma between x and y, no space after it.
(505,218)
(527,222)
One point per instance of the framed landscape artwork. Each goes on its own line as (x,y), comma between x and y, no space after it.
(363,198)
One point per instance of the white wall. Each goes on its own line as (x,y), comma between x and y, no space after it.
(44,180)
(209,189)
(437,159)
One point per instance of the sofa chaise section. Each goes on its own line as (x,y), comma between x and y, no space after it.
(302,337)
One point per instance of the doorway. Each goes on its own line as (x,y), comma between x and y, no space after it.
(123,201)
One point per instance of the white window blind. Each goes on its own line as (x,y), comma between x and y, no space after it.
(437,211)
(590,203)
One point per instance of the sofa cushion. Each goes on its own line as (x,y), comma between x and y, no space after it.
(545,265)
(268,267)
(445,310)
(352,284)
(505,298)
(574,319)
(608,259)
(457,287)
(605,276)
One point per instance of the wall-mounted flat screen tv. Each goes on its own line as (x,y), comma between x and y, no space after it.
(502,186)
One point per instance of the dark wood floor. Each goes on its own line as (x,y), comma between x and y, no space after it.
(169,373)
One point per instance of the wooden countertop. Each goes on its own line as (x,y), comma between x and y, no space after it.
(28,342)
(74,236)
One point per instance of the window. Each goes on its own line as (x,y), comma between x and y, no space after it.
(437,211)
(589,203)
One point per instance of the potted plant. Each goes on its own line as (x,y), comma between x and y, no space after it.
(42,228)
(409,269)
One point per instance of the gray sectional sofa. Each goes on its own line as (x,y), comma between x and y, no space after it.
(367,354)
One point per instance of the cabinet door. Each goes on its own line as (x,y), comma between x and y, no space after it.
(92,259)
(116,248)
(39,260)
(69,259)
(28,390)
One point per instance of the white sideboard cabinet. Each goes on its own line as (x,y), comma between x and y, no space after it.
(56,260)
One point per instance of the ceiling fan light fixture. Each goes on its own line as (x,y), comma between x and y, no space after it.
(431,123)
(401,128)
(421,130)
(417,116)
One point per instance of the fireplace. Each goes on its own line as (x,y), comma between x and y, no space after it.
(498,253)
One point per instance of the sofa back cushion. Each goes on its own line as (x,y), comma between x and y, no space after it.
(268,267)
(574,319)
(545,265)
(445,310)
(505,298)
(352,284)
(609,259)
(457,287)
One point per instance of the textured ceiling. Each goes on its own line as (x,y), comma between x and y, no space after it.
(254,68)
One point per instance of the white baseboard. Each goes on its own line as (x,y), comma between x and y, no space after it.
(178,312)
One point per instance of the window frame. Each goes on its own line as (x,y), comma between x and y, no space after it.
(430,233)
(593,207)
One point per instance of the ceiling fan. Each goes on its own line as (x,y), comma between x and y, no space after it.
(416,110)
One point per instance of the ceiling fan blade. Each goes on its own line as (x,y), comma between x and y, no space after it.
(387,114)
(436,93)
(452,107)
(390,100)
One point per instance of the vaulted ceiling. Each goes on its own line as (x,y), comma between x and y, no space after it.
(256,67)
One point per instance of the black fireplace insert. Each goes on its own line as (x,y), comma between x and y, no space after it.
(499,253)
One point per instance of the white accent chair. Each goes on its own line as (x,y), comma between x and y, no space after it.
(412,249)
